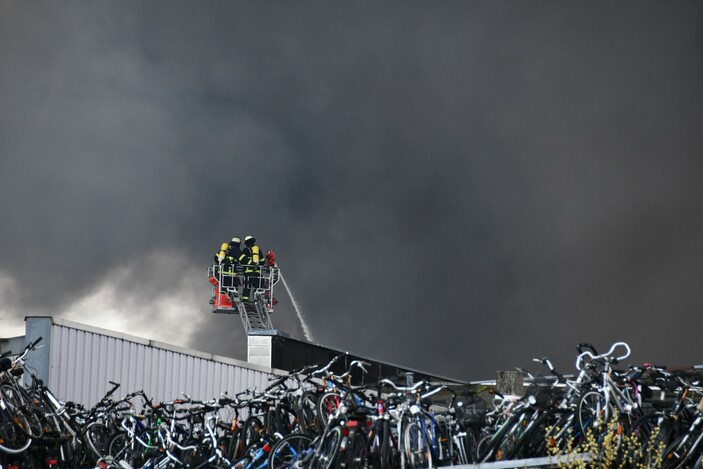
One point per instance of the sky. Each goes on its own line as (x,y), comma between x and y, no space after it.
(456,187)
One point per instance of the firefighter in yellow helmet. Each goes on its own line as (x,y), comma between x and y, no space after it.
(252,251)
(234,253)
(252,261)
(219,258)
(233,258)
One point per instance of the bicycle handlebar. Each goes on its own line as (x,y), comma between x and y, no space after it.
(26,350)
(603,356)
(406,389)
(360,364)
(355,363)
(111,391)
(279,381)
(621,344)
(33,344)
(433,392)
(584,345)
(546,362)
(326,368)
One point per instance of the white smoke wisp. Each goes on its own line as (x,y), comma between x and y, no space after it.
(151,298)
(11,314)
(306,329)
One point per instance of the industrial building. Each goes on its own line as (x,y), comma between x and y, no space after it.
(78,361)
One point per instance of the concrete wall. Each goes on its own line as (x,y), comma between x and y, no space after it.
(259,350)
(12,344)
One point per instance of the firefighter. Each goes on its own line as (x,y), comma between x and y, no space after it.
(220,255)
(252,261)
(252,251)
(234,253)
(233,259)
(219,258)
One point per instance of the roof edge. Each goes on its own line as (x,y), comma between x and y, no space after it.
(156,344)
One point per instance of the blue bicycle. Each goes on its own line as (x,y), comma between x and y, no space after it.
(425,438)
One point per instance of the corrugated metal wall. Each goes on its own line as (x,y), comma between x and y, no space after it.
(82,361)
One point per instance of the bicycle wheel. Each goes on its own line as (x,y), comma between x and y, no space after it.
(521,447)
(483,447)
(541,435)
(23,414)
(676,454)
(327,404)
(389,447)
(592,413)
(356,451)
(288,450)
(286,419)
(470,443)
(328,449)
(12,439)
(381,454)
(119,446)
(510,439)
(489,446)
(558,427)
(649,434)
(308,412)
(234,445)
(197,456)
(270,421)
(417,448)
(685,451)
(97,437)
(251,431)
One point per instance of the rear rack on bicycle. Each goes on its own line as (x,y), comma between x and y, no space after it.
(247,293)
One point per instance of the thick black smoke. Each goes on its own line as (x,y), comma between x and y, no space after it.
(456,187)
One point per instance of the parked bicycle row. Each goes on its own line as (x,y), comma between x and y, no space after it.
(316,418)
(639,417)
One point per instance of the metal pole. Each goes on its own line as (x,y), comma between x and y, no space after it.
(409,378)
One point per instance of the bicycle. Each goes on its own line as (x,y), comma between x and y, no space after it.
(595,408)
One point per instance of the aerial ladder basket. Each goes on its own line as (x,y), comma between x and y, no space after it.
(231,285)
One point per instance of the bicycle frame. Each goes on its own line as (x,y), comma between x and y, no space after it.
(609,390)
